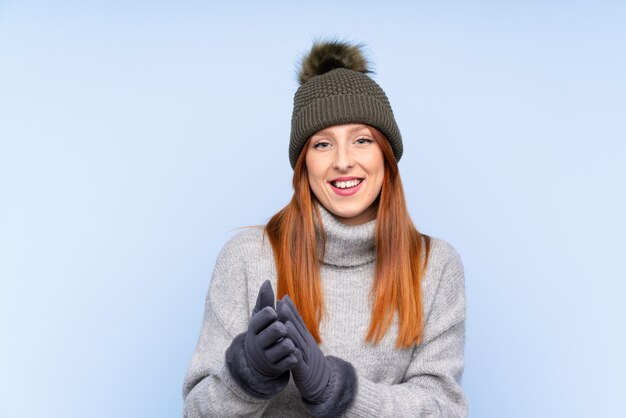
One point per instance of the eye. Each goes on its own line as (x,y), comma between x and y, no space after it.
(321,144)
(362,141)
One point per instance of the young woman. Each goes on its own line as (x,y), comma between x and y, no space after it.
(370,316)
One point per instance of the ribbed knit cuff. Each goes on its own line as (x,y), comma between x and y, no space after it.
(340,392)
(247,378)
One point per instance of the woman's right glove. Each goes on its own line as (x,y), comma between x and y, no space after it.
(259,359)
(327,384)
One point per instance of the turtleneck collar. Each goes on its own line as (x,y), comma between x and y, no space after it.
(347,245)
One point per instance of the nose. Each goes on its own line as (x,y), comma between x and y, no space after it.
(343,160)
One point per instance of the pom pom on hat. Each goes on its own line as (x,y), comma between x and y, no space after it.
(327,56)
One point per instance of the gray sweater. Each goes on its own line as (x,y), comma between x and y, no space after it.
(421,381)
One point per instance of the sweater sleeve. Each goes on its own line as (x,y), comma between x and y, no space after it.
(208,389)
(432,384)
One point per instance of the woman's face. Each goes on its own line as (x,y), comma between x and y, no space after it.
(346,169)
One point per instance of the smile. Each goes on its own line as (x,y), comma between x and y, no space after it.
(346,188)
(346,184)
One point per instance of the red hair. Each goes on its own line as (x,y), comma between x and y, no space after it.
(401,255)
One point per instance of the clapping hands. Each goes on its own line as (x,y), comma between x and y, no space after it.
(278,342)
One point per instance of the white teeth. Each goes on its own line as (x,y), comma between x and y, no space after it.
(346,184)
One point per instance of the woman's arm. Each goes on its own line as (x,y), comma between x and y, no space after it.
(431,389)
(209,390)
(432,383)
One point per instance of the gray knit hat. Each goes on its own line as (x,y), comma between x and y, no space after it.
(334,90)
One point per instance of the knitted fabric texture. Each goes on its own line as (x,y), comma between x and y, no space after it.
(421,381)
(338,97)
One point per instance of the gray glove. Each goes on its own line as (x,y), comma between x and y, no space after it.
(259,359)
(327,384)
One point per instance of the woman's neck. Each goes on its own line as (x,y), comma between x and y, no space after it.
(347,245)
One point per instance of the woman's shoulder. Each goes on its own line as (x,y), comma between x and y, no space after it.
(443,254)
(247,249)
(246,241)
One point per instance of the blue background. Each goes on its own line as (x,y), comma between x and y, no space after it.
(136,137)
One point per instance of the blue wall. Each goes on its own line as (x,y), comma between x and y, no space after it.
(135,139)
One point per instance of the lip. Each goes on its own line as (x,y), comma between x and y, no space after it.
(346,192)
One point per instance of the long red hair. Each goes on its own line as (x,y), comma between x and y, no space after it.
(401,255)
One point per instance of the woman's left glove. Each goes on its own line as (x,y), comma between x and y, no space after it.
(327,384)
